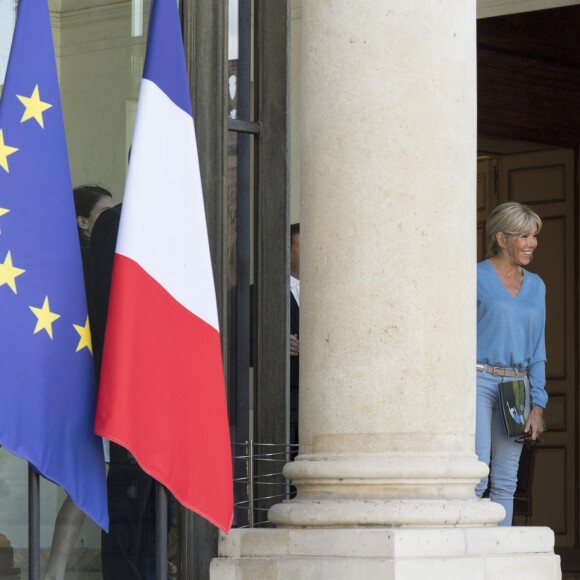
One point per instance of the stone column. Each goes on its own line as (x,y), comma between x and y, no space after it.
(387,467)
(387,268)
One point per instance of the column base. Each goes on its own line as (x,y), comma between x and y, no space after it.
(477,553)
(385,489)
(386,513)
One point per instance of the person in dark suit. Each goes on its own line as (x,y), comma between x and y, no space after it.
(102,254)
(294,329)
(128,550)
(90,202)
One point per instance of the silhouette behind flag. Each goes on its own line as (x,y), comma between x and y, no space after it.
(47,383)
(161,392)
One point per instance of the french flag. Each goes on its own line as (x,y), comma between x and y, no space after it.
(161,392)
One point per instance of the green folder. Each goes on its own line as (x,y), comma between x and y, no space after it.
(514,400)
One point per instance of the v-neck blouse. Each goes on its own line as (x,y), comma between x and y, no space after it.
(511,329)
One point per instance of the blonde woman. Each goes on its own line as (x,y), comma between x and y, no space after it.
(511,316)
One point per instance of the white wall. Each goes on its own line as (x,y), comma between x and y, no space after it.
(100,67)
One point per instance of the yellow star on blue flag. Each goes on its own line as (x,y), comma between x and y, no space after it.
(3,212)
(45,317)
(5,151)
(9,273)
(33,107)
(47,378)
(85,336)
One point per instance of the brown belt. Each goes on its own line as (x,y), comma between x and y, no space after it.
(501,372)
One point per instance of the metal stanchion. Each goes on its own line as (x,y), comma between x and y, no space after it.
(161,531)
(33,524)
(251,519)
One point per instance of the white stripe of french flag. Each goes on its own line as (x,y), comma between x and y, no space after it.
(161,392)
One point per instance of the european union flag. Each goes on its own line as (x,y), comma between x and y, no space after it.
(47,383)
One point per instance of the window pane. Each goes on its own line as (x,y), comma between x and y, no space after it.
(233,50)
(7,21)
(101,53)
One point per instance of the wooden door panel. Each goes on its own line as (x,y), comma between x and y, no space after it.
(545,181)
(550,263)
(486,196)
(531,184)
(561,413)
(485,179)
(550,479)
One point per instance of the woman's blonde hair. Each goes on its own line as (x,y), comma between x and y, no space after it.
(511,219)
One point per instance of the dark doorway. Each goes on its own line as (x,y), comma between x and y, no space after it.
(529,137)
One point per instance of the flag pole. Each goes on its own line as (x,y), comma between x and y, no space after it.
(33,524)
(161,532)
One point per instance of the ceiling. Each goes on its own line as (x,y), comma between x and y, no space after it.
(487,8)
(551,36)
(529,80)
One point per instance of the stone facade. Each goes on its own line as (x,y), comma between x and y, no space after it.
(387,469)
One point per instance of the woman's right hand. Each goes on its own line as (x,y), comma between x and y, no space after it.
(534,426)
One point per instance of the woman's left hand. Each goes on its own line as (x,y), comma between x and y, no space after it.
(533,427)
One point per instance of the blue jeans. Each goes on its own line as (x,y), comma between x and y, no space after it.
(491,443)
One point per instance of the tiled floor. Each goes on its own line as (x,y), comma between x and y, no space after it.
(97,576)
(68,576)
(94,576)
(83,564)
